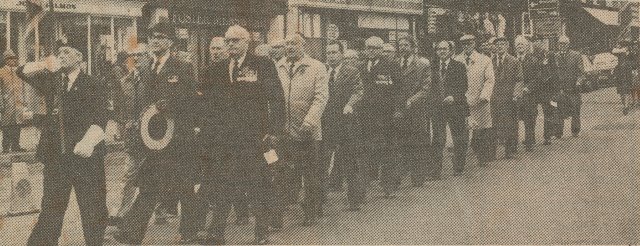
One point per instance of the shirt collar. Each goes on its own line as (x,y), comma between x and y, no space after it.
(163,59)
(73,75)
(240,60)
(446,62)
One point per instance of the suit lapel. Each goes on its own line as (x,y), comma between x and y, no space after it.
(411,66)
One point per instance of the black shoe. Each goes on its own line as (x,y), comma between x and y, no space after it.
(353,208)
(114,220)
(388,195)
(309,221)
(277,223)
(242,221)
(123,238)
(434,178)
(457,173)
(528,148)
(188,241)
(482,163)
(546,142)
(161,221)
(213,240)
(320,212)
(625,111)
(260,241)
(575,135)
(417,185)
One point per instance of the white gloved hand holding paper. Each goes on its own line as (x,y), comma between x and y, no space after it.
(91,139)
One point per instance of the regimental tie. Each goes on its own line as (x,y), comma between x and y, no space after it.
(235,73)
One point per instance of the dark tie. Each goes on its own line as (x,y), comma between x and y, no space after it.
(332,76)
(405,63)
(291,72)
(468,60)
(443,72)
(156,66)
(236,70)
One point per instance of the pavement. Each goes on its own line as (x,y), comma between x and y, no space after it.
(580,190)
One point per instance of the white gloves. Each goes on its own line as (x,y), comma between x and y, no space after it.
(91,138)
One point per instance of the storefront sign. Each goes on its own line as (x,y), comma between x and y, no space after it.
(106,8)
(411,7)
(543,4)
(545,17)
(381,21)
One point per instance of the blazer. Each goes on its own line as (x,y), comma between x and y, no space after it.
(481,81)
(241,112)
(346,89)
(382,86)
(69,113)
(509,79)
(306,91)
(455,84)
(416,82)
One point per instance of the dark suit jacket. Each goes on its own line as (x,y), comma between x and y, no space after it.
(380,98)
(570,70)
(81,107)
(345,90)
(241,112)
(455,84)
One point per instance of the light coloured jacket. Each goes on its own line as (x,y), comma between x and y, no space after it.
(306,91)
(481,79)
(13,98)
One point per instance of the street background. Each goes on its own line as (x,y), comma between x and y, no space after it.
(577,191)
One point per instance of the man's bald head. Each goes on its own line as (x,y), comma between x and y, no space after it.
(237,39)
(294,46)
(218,49)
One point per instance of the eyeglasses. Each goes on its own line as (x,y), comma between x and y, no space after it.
(232,40)
(369,47)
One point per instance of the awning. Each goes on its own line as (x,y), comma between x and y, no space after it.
(262,7)
(125,8)
(407,7)
(607,17)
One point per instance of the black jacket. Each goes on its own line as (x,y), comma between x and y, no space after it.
(69,113)
(241,112)
(455,84)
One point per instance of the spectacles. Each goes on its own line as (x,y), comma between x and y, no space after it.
(232,40)
(369,47)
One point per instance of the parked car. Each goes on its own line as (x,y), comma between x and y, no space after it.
(598,70)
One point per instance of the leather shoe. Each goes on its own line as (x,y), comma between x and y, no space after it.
(242,221)
(260,241)
(213,240)
(309,221)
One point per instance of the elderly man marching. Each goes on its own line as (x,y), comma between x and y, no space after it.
(413,132)
(380,80)
(72,147)
(481,80)
(242,118)
(506,91)
(306,90)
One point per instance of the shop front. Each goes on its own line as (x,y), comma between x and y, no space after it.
(351,22)
(199,21)
(106,27)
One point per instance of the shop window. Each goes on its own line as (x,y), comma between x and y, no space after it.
(3,34)
(101,44)
(18,25)
(73,29)
(125,34)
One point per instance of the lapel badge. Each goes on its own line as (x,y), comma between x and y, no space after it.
(173,79)
(248,75)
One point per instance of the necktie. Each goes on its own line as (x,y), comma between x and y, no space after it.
(236,71)
(156,66)
(291,72)
(405,63)
(332,75)
(443,71)
(468,60)
(370,65)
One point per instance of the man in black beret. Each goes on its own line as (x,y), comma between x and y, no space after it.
(169,84)
(71,147)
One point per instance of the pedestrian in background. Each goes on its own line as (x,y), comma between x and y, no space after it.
(506,91)
(570,76)
(623,77)
(480,75)
(13,107)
